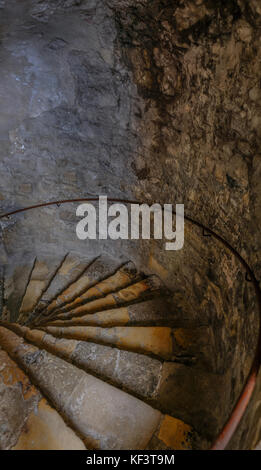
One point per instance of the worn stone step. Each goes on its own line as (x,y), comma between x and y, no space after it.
(70,270)
(43,272)
(105,416)
(122,278)
(99,270)
(147,340)
(173,433)
(27,421)
(134,292)
(136,373)
(164,342)
(177,434)
(15,284)
(157,311)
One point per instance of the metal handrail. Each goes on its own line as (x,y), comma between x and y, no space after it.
(239,409)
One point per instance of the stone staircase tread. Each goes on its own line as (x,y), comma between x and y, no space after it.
(159,341)
(136,374)
(124,276)
(42,274)
(133,293)
(131,371)
(30,422)
(156,311)
(107,417)
(100,269)
(70,270)
(15,285)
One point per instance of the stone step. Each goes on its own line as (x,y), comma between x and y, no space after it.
(27,421)
(157,311)
(122,278)
(159,341)
(133,293)
(156,341)
(70,270)
(105,417)
(101,269)
(42,274)
(136,373)
(15,284)
(173,434)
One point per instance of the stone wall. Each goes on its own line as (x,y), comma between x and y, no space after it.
(196,65)
(65,103)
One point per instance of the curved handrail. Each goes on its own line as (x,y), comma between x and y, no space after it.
(239,409)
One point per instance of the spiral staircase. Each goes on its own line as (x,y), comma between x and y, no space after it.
(85,362)
(96,354)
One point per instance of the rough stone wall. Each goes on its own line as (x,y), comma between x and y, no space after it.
(197,66)
(65,103)
(66,126)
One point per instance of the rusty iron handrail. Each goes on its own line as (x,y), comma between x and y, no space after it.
(240,407)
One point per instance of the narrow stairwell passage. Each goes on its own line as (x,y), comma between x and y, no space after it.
(97,342)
